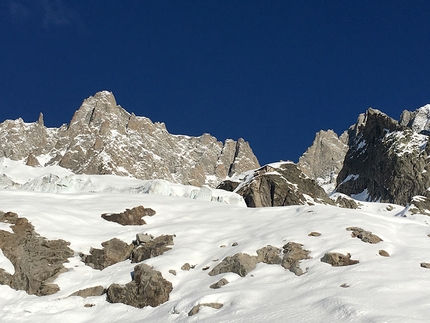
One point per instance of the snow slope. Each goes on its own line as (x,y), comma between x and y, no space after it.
(381,289)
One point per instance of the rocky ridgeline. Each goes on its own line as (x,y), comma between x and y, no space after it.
(377,159)
(386,159)
(103,138)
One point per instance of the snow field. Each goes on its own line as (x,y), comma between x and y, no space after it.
(390,289)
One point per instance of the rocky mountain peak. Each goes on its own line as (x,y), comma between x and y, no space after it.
(323,160)
(386,160)
(100,112)
(418,120)
(103,138)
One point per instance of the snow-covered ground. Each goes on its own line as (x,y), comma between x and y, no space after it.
(381,289)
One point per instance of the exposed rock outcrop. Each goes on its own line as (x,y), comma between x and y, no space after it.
(130,216)
(219,283)
(148,288)
(337,259)
(90,291)
(197,308)
(103,138)
(269,255)
(240,263)
(114,251)
(152,248)
(323,160)
(293,254)
(280,184)
(363,235)
(37,261)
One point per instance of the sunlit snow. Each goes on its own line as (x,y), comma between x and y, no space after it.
(381,289)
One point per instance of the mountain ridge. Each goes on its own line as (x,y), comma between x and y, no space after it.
(103,138)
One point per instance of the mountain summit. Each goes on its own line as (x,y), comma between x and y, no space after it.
(103,138)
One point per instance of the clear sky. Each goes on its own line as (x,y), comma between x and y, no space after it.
(272,72)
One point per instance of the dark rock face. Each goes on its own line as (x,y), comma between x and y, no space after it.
(130,216)
(385,159)
(240,263)
(114,251)
(37,261)
(228,185)
(279,185)
(337,259)
(148,288)
(293,254)
(152,248)
(197,308)
(363,235)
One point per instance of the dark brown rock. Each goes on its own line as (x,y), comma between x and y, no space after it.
(363,235)
(219,284)
(425,265)
(337,259)
(240,263)
(130,216)
(148,288)
(314,234)
(345,202)
(114,251)
(197,308)
(269,255)
(228,185)
(383,253)
(37,261)
(186,266)
(90,291)
(293,254)
(153,248)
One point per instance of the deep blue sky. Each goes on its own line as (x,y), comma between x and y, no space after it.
(272,72)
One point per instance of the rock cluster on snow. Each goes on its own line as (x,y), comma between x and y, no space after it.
(241,263)
(114,251)
(37,261)
(363,235)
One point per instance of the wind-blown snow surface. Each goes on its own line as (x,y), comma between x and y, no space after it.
(382,289)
